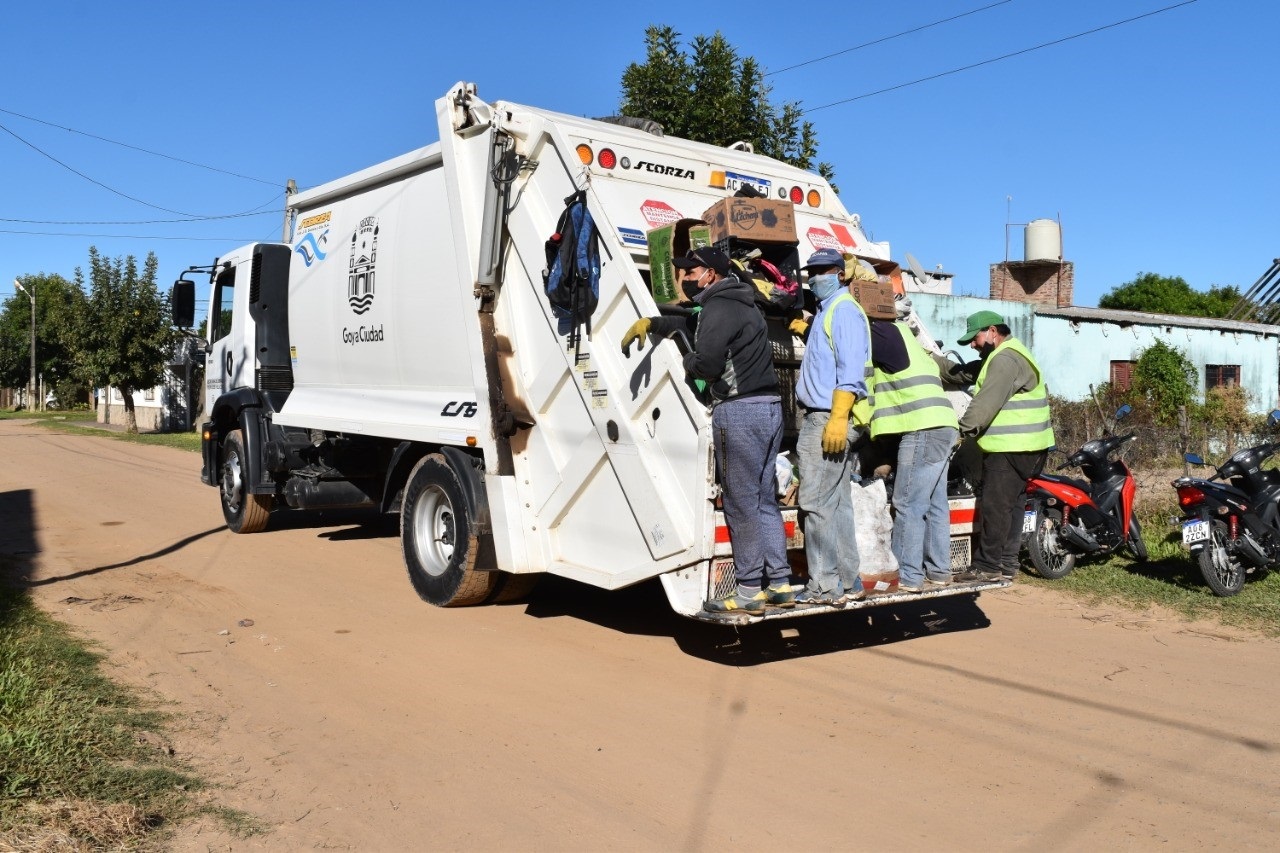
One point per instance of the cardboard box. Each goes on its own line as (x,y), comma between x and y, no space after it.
(760,220)
(876,299)
(667,243)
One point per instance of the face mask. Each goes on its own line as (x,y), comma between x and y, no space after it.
(692,286)
(824,285)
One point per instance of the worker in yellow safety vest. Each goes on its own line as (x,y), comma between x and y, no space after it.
(1009,415)
(911,406)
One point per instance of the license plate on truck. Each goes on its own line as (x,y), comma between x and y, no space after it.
(1029,522)
(1195,531)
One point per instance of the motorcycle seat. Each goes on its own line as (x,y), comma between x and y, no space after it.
(1076,482)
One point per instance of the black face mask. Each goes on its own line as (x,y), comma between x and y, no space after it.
(690,287)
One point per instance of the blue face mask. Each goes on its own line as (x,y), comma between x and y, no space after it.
(824,285)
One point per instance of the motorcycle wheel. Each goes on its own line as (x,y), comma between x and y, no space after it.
(1221,569)
(1137,547)
(1048,553)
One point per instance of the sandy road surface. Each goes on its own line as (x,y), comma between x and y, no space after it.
(352,715)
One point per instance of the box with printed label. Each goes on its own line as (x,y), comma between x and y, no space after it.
(876,298)
(667,243)
(760,220)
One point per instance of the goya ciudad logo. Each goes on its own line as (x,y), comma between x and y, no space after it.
(361,266)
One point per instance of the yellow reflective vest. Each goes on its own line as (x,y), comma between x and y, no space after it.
(911,399)
(1022,424)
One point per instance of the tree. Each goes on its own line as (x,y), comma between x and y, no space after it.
(1157,294)
(1165,380)
(714,95)
(58,305)
(124,331)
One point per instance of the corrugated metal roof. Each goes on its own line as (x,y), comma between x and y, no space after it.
(1123,318)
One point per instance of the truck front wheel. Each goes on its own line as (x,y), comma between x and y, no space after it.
(244,512)
(435,532)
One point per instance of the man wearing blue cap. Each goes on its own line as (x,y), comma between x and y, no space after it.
(732,354)
(834,391)
(1009,414)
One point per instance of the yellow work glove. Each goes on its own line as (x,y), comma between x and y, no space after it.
(835,436)
(638,332)
(798,326)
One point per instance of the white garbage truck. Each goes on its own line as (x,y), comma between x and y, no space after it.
(400,352)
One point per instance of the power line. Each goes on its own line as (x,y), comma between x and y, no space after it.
(998,58)
(887,38)
(257,211)
(136,148)
(44,153)
(123,236)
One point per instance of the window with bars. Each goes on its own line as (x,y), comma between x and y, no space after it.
(1122,375)
(1221,376)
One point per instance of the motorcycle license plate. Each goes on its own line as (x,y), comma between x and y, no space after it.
(1195,531)
(1029,522)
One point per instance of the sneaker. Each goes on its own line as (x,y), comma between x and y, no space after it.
(910,587)
(973,575)
(932,582)
(808,596)
(780,595)
(736,602)
(854,594)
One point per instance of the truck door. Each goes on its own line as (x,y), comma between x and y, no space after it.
(225,368)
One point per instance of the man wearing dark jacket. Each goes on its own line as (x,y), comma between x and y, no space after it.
(733,356)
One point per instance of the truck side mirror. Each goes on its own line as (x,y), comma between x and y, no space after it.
(183,303)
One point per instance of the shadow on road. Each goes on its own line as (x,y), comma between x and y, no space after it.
(643,609)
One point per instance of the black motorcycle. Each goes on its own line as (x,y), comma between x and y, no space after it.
(1231,521)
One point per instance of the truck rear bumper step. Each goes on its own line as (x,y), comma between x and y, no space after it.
(872,600)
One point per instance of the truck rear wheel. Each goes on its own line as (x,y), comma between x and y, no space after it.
(244,512)
(435,533)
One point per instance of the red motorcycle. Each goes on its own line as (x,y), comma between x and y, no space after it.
(1067,518)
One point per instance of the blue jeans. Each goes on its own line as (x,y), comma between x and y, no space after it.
(921,516)
(830,541)
(747,435)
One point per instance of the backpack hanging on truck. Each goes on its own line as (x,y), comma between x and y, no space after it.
(572,276)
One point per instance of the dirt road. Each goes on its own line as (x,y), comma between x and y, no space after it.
(346,713)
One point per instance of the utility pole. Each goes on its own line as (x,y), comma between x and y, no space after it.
(31,388)
(290,190)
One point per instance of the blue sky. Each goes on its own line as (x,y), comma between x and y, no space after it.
(1153,142)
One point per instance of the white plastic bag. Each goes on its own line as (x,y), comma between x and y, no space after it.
(874,527)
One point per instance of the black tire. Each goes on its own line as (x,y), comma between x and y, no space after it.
(1048,553)
(1221,569)
(440,551)
(1137,545)
(509,588)
(244,512)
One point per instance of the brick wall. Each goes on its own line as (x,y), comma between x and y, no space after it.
(1037,282)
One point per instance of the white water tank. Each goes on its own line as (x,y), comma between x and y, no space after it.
(1042,241)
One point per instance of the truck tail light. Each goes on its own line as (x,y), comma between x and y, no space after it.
(586,155)
(607,158)
(814,198)
(797,195)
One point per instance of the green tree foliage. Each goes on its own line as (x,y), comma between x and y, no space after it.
(1164,379)
(713,94)
(1157,294)
(125,332)
(59,304)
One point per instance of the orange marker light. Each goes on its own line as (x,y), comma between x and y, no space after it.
(585,154)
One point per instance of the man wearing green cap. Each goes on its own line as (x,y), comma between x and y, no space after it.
(1009,414)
